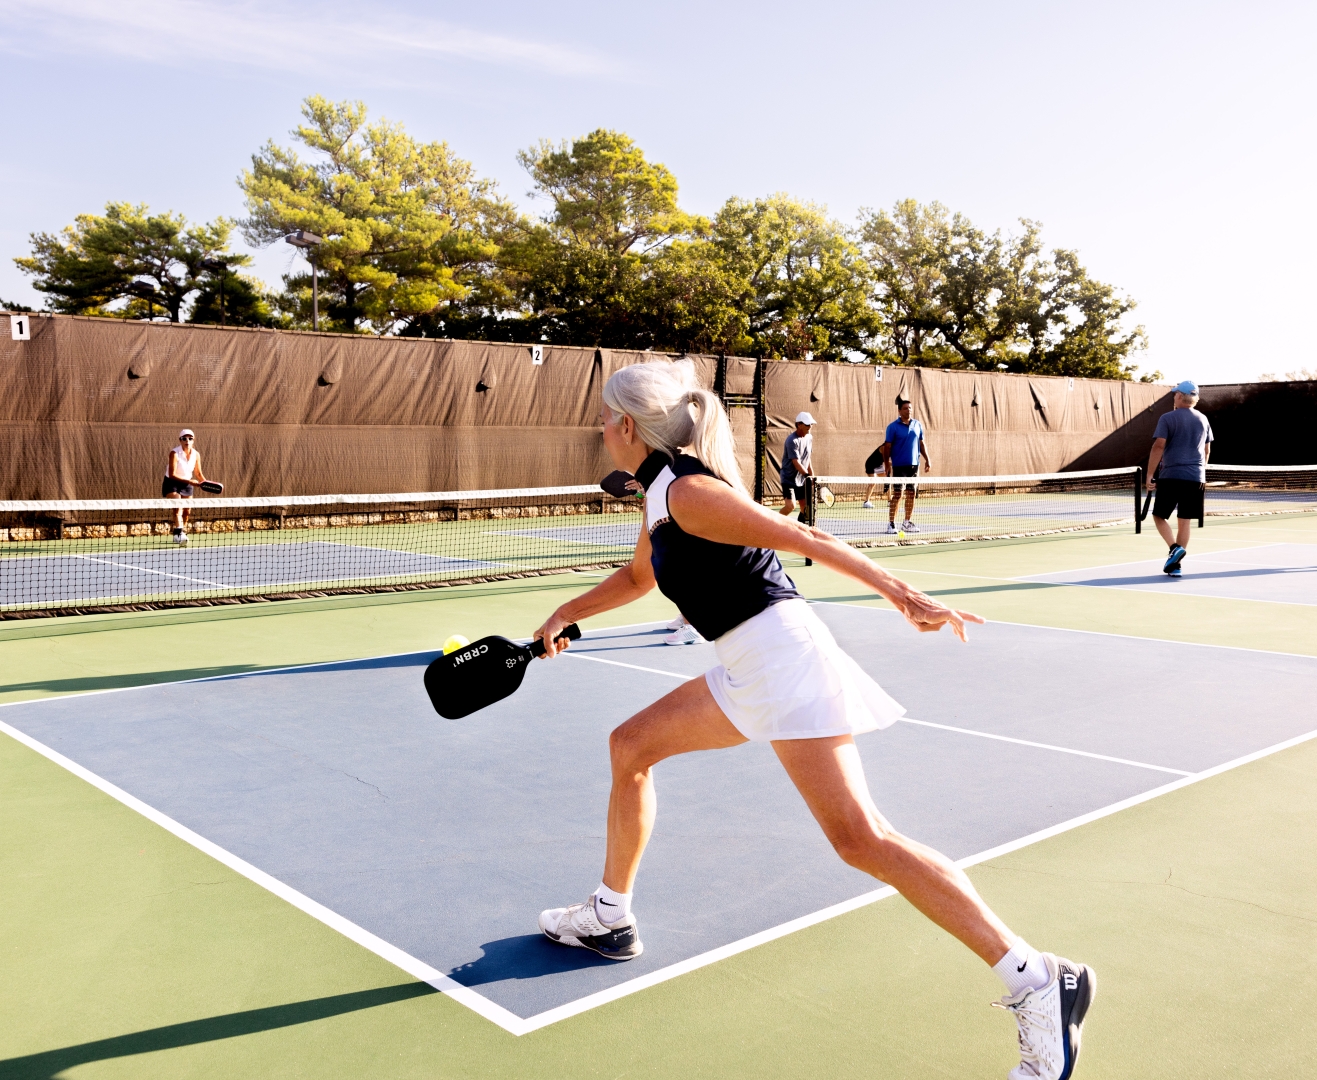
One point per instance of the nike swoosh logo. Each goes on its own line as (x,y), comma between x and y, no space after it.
(601,900)
(1022,966)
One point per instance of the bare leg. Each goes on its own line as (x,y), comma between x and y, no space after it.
(686,719)
(910,505)
(1164,530)
(788,506)
(892,503)
(827,772)
(1182,526)
(178,514)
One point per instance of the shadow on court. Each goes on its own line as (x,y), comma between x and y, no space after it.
(155,678)
(526,956)
(50,1063)
(124,680)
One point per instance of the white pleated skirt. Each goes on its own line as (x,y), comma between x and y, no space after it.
(783,676)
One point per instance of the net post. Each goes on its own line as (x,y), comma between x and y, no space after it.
(1202,507)
(1138,500)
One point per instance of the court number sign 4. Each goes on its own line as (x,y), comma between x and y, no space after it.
(20,327)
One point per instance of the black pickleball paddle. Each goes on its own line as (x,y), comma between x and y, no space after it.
(615,483)
(482,673)
(213,486)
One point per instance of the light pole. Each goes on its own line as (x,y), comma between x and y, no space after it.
(307,242)
(218,267)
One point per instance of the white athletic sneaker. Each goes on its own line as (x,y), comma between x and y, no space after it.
(579,927)
(891,528)
(910,526)
(868,506)
(685,635)
(180,537)
(1050,1020)
(678,623)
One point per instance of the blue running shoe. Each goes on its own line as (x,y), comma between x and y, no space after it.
(1174,573)
(1174,559)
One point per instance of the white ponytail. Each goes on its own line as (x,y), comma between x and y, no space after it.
(672,412)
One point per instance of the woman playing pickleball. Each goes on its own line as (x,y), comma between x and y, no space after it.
(182,472)
(781,679)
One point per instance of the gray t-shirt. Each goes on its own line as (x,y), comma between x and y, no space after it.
(1187,434)
(798,448)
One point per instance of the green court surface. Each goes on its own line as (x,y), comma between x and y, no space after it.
(129,953)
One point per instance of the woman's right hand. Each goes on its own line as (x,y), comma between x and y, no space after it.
(551,633)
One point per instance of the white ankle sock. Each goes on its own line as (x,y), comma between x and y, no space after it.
(1021,969)
(611,907)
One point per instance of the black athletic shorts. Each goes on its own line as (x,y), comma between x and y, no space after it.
(1185,497)
(903,470)
(169,486)
(791,491)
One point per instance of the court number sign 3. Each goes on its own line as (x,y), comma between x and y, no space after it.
(20,327)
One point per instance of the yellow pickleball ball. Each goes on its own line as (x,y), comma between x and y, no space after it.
(901,535)
(457,641)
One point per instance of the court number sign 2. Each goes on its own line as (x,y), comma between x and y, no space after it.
(20,327)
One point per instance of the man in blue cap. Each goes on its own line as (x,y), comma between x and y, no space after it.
(1177,471)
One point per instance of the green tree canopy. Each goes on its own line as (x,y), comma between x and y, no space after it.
(585,273)
(950,295)
(407,226)
(101,260)
(799,281)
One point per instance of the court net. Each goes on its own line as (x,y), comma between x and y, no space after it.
(1250,490)
(868,511)
(75,556)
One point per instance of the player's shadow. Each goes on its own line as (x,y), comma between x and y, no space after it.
(527,956)
(50,1064)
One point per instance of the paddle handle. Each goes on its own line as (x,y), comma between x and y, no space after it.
(570,632)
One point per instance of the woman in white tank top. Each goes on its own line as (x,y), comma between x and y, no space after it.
(182,470)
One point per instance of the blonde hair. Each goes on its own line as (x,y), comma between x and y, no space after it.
(672,412)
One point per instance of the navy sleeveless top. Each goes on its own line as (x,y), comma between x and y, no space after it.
(716,586)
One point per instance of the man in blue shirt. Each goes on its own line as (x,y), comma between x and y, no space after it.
(902,446)
(1177,471)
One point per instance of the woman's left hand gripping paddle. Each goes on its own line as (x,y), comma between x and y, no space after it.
(484,672)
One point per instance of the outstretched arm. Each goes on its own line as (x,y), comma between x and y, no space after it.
(706,507)
(628,583)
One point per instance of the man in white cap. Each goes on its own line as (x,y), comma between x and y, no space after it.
(182,471)
(1181,445)
(796,463)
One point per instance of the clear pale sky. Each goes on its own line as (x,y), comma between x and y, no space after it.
(1172,145)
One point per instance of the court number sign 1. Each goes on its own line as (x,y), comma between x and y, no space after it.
(20,327)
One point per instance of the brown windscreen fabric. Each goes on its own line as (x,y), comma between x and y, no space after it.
(89,408)
(976,422)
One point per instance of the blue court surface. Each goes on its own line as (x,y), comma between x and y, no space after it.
(446,838)
(1280,573)
(167,570)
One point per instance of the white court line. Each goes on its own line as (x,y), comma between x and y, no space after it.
(508,1020)
(1156,585)
(332,919)
(148,570)
(633,667)
(930,724)
(1044,746)
(1095,633)
(278,670)
(1136,562)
